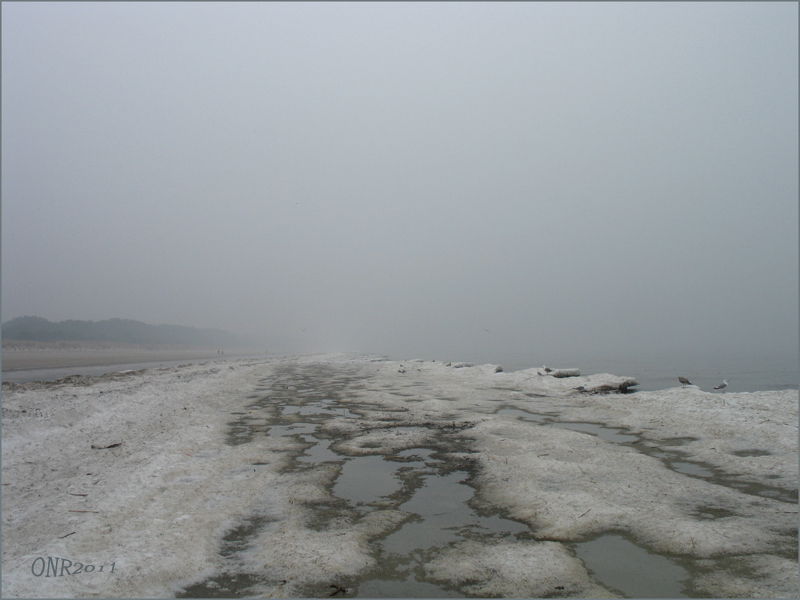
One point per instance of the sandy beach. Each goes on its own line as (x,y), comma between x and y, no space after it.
(359,476)
(24,355)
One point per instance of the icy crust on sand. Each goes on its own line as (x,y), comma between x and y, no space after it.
(301,556)
(158,505)
(141,501)
(181,502)
(773,577)
(721,425)
(762,424)
(515,570)
(569,485)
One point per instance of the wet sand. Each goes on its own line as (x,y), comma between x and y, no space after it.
(27,355)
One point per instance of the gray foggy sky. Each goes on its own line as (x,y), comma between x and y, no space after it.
(399,178)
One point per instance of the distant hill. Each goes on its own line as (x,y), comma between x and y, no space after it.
(120,331)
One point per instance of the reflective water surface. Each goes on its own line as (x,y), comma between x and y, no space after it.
(622,565)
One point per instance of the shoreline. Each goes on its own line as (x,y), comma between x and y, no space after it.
(24,355)
(24,361)
(187,477)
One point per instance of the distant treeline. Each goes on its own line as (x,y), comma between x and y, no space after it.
(119,330)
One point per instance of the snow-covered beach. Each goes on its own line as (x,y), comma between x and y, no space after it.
(243,477)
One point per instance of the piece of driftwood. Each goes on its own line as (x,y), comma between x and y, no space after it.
(620,385)
(107,447)
(560,373)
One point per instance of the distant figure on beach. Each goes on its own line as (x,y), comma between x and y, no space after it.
(722,385)
(684,381)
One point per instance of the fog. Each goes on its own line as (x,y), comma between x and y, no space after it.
(414,179)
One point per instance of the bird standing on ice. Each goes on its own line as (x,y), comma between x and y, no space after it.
(684,381)
(722,385)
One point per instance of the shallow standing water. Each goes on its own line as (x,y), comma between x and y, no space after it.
(366,479)
(633,571)
(442,516)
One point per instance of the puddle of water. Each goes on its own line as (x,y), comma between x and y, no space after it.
(619,564)
(367,479)
(523,415)
(311,408)
(221,586)
(442,516)
(442,504)
(688,468)
(293,429)
(407,588)
(320,452)
(422,454)
(318,408)
(604,433)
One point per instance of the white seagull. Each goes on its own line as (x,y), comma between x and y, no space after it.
(722,385)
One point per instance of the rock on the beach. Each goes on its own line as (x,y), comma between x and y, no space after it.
(565,373)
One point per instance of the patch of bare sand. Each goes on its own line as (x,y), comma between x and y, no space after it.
(24,355)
